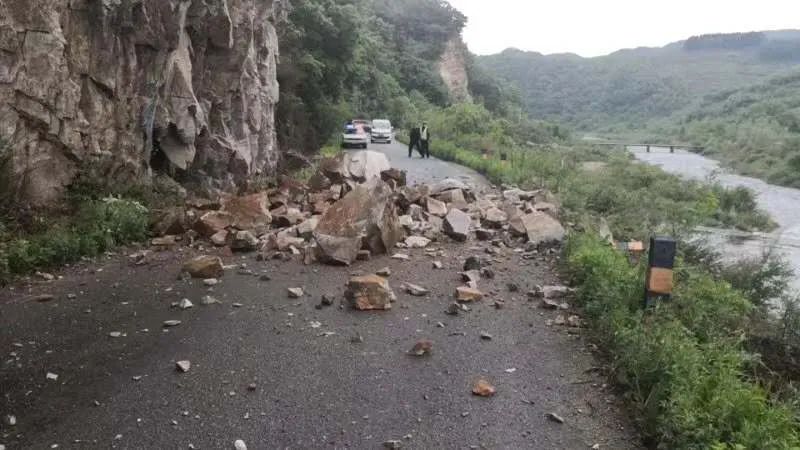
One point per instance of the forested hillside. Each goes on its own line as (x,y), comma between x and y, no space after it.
(622,91)
(371,58)
(756,130)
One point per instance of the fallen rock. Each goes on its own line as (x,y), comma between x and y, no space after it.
(555,418)
(494,217)
(483,389)
(392,444)
(422,348)
(213,222)
(364,255)
(435,207)
(365,165)
(539,228)
(416,291)
(185,304)
(306,228)
(437,265)
(220,238)
(164,241)
(295,292)
(396,176)
(454,198)
(401,256)
(209,300)
(468,294)
(417,242)
(244,241)
(473,263)
(456,225)
(183,366)
(385,272)
(486,336)
(171,323)
(364,218)
(370,292)
(205,267)
(484,235)
(239,445)
(249,212)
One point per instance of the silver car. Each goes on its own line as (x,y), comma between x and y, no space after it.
(381,131)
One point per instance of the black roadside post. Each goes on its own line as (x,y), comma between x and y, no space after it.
(661,261)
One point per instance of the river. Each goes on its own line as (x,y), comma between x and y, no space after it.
(783,204)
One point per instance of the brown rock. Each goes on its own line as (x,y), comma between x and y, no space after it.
(213,222)
(205,267)
(244,241)
(249,212)
(370,292)
(171,221)
(422,348)
(220,238)
(453,198)
(396,176)
(494,217)
(483,389)
(468,294)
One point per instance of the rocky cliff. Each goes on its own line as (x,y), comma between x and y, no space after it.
(115,90)
(453,70)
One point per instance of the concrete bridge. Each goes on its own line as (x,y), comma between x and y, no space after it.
(649,147)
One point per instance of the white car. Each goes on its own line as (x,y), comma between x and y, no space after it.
(356,136)
(381,131)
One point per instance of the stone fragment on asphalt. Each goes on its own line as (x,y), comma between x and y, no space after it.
(392,444)
(370,292)
(401,256)
(486,336)
(483,389)
(295,292)
(115,334)
(239,445)
(327,300)
(211,282)
(415,290)
(52,376)
(183,366)
(11,420)
(471,276)
(467,294)
(185,304)
(220,238)
(555,417)
(209,300)
(437,265)
(244,241)
(204,267)
(422,347)
(385,272)
(42,298)
(473,263)
(171,323)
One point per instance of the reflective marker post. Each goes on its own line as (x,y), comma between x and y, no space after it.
(661,261)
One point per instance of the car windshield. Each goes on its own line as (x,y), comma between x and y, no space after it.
(382,124)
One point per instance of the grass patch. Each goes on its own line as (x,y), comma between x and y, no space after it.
(94,227)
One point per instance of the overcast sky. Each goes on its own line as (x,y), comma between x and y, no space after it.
(599,27)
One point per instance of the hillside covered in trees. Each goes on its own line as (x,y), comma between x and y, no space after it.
(624,90)
(369,58)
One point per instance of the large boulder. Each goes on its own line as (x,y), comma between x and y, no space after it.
(213,222)
(539,228)
(364,218)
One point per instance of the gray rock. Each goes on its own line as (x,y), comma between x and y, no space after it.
(244,241)
(415,290)
(185,304)
(295,292)
(183,366)
(539,228)
(435,207)
(171,323)
(239,445)
(457,224)
(417,242)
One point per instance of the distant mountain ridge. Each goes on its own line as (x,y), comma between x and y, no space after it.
(630,87)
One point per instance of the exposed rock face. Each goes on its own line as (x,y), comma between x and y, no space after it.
(453,70)
(112,89)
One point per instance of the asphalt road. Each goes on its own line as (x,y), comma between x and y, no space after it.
(279,373)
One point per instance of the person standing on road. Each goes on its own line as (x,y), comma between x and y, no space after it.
(414,141)
(425,140)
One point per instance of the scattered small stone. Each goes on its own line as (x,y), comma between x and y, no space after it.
(392,444)
(439,325)
(251,387)
(240,445)
(512,287)
(185,304)
(171,323)
(437,265)
(315,324)
(370,292)
(183,366)
(549,304)
(42,298)
(415,290)
(327,300)
(364,255)
(499,304)
(205,267)
(417,242)
(295,292)
(487,273)
(136,378)
(511,370)
(11,420)
(211,282)
(115,334)
(45,276)
(72,296)
(209,300)
(422,348)
(401,256)
(483,389)
(472,263)
(486,336)
(265,277)
(357,339)
(555,418)
(237,305)
(385,272)
(51,376)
